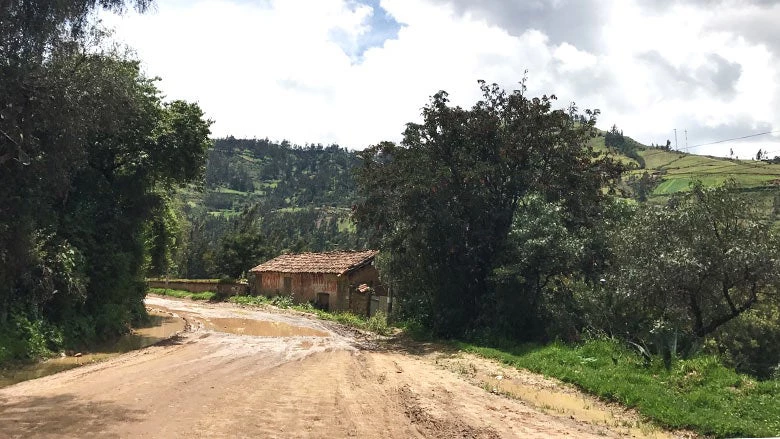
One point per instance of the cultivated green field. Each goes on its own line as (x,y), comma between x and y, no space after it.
(674,171)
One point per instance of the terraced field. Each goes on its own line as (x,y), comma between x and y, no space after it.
(677,170)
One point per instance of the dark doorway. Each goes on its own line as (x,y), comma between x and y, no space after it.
(323,301)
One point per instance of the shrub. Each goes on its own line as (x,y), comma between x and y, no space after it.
(282,301)
(749,343)
(25,337)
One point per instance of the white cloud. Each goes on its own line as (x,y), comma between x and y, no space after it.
(287,68)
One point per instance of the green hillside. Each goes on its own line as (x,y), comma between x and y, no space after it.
(673,171)
(293,198)
(300,198)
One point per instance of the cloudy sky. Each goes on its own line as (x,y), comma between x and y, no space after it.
(353,72)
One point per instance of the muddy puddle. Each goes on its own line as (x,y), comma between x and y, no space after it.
(571,405)
(162,325)
(261,328)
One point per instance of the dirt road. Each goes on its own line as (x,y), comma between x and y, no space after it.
(239,372)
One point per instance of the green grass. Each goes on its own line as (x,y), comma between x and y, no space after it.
(697,394)
(225,190)
(376,323)
(680,183)
(680,169)
(224,213)
(346,225)
(206,295)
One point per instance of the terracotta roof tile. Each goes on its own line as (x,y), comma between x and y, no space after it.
(338,262)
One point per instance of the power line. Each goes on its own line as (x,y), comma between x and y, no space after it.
(736,138)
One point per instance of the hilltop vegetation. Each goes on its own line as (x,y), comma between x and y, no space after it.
(259,199)
(656,172)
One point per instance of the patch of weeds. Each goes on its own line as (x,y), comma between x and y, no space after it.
(180,294)
(378,323)
(282,301)
(250,300)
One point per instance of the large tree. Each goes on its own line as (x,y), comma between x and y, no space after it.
(691,266)
(441,203)
(88,151)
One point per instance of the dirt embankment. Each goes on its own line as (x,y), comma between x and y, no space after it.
(245,373)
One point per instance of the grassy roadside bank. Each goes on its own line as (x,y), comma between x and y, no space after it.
(698,394)
(180,294)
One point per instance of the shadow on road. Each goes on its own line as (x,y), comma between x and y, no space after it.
(60,415)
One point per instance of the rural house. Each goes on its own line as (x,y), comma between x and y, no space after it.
(336,281)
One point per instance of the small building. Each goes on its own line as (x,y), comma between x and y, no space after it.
(336,281)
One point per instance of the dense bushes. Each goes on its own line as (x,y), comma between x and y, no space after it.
(25,338)
(749,343)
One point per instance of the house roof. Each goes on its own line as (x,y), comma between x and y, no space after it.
(339,262)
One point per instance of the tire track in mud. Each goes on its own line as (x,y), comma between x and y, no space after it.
(207,383)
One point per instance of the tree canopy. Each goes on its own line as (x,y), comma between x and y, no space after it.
(697,263)
(88,152)
(442,202)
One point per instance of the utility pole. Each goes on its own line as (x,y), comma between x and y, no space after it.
(686,139)
(675,140)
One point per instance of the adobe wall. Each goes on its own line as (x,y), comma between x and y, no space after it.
(359,303)
(304,286)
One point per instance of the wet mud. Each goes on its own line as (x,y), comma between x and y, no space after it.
(161,325)
(260,328)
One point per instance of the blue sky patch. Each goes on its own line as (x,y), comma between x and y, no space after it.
(381,27)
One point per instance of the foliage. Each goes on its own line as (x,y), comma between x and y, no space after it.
(378,323)
(163,235)
(282,301)
(698,394)
(243,247)
(541,252)
(181,294)
(279,197)
(25,338)
(441,203)
(615,139)
(749,342)
(250,300)
(88,153)
(688,268)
